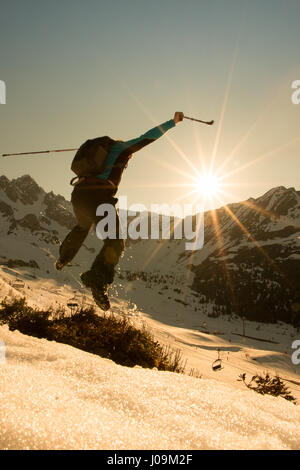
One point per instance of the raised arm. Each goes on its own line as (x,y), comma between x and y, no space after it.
(134,145)
(120,151)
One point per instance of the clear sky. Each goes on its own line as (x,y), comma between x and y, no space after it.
(80,69)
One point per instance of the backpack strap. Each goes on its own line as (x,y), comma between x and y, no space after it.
(92,180)
(78,178)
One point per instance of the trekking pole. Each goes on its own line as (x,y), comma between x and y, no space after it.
(34,153)
(209,123)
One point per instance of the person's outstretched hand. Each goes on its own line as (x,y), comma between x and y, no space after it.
(178,116)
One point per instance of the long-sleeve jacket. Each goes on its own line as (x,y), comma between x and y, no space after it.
(121,152)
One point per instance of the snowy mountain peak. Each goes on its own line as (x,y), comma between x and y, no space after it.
(280,200)
(23,189)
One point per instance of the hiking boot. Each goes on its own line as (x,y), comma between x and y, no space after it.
(101,298)
(59,265)
(98,289)
(88,279)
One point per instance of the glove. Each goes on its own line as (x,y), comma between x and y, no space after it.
(178,116)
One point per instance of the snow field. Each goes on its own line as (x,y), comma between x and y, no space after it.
(53,396)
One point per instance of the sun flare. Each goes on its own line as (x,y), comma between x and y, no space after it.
(208,184)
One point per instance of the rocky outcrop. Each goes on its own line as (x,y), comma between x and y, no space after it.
(6,210)
(23,189)
(56,210)
(31,222)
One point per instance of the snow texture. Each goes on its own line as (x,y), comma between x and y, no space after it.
(53,396)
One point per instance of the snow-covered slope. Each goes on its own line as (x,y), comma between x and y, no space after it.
(56,397)
(81,392)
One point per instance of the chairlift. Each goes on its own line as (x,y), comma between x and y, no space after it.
(72,306)
(217,365)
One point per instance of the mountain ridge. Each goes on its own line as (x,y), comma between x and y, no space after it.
(248,265)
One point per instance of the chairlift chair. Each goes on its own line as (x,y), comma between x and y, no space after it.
(217,365)
(72,306)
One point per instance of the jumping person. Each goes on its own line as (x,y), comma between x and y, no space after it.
(91,191)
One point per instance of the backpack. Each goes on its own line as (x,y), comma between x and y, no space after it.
(91,156)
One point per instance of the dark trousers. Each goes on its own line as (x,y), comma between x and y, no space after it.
(85,200)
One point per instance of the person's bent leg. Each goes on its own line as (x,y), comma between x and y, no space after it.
(71,244)
(102,271)
(73,241)
(105,262)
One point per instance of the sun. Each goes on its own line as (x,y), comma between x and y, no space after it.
(208,184)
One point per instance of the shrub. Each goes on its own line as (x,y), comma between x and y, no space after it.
(107,336)
(268,385)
